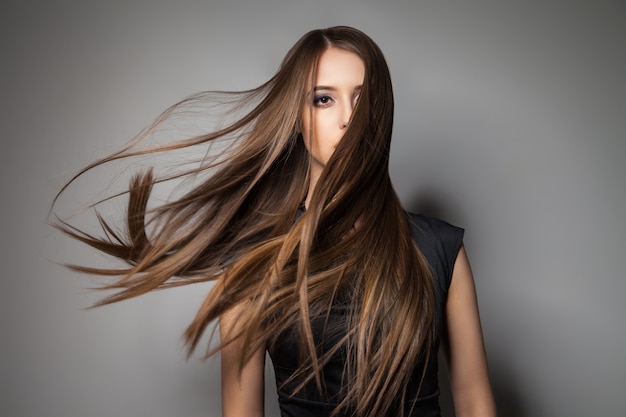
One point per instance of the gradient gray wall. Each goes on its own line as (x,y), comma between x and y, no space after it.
(511,122)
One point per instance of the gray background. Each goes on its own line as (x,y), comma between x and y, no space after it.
(510,122)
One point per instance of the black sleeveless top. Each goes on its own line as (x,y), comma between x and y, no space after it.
(439,242)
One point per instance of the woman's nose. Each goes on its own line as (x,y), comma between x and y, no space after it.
(346,115)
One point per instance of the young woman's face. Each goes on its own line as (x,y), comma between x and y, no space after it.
(329,106)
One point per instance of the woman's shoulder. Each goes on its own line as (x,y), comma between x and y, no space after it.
(439,242)
(431,227)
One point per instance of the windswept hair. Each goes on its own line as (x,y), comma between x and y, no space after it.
(238,228)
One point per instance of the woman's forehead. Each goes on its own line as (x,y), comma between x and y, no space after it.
(339,67)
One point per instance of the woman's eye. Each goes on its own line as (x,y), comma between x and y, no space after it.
(322,101)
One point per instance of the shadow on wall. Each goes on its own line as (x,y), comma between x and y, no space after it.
(431,206)
(508,400)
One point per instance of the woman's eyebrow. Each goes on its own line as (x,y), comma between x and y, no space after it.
(329,88)
(324,87)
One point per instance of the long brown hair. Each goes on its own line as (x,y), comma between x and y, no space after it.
(238,228)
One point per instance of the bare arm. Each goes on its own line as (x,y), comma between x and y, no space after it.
(469,378)
(242,395)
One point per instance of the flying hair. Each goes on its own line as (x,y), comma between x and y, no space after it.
(238,228)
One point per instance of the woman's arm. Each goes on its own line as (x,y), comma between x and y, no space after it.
(242,395)
(467,362)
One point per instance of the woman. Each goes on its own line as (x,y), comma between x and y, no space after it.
(313,257)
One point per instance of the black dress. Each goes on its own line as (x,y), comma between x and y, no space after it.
(439,242)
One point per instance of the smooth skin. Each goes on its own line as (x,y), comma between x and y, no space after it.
(325,117)
(464,347)
(329,106)
(242,395)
